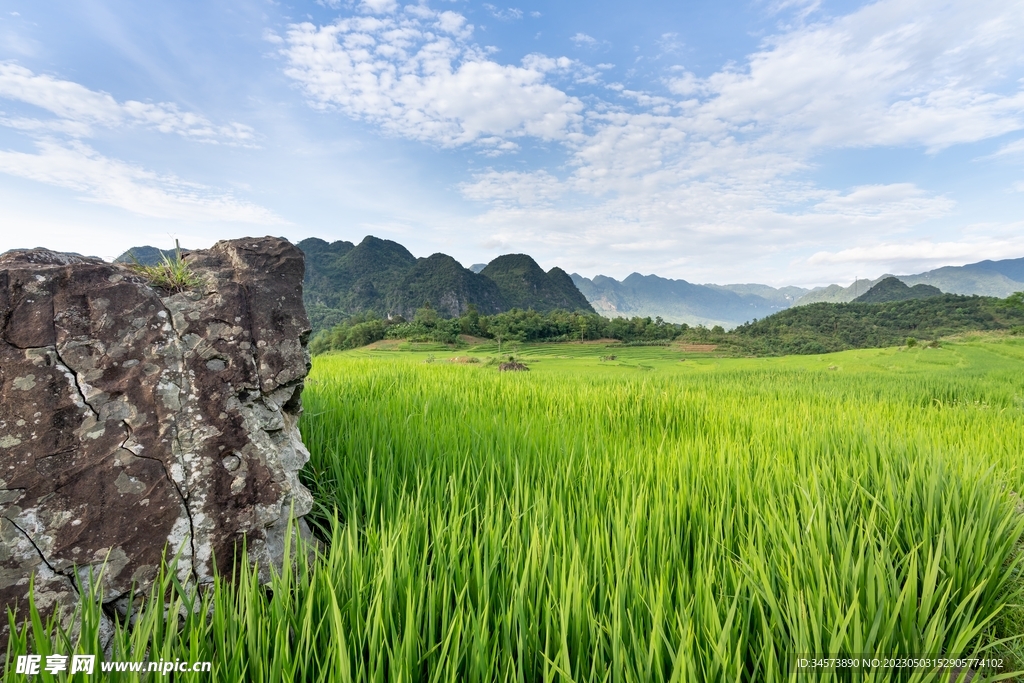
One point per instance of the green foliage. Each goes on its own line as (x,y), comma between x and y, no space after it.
(630,529)
(911,342)
(382,278)
(524,285)
(351,279)
(825,327)
(323,317)
(426,316)
(894,289)
(1015,300)
(812,329)
(441,331)
(171,273)
(442,282)
(597,526)
(512,326)
(470,322)
(356,331)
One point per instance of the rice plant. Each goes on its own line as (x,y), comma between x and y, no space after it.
(559,526)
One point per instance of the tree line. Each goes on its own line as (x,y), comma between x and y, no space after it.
(815,328)
(515,325)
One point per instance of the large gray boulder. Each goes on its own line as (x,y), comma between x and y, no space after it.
(135,421)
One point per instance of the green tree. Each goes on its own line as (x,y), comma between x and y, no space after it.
(470,321)
(499,328)
(426,316)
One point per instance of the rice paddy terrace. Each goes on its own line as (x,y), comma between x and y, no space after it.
(622,514)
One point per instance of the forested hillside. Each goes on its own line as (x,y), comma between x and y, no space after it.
(525,286)
(382,279)
(825,327)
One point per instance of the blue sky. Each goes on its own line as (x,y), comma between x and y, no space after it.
(777,141)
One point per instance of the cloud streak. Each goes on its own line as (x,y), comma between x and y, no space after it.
(78,110)
(926,253)
(103,180)
(63,160)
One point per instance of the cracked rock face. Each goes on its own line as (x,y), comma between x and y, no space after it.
(134,420)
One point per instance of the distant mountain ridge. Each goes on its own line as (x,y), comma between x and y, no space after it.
(985,278)
(894,289)
(524,285)
(679,301)
(383,277)
(837,294)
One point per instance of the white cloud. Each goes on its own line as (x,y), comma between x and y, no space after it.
(415,83)
(896,72)
(685,83)
(544,64)
(887,201)
(378,6)
(78,110)
(513,188)
(669,43)
(581,39)
(508,14)
(1011,149)
(800,8)
(103,180)
(454,24)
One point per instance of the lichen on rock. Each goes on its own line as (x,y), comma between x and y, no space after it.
(135,422)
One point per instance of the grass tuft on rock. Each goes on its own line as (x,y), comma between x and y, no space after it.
(173,275)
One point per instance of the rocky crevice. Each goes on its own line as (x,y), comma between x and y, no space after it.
(181,495)
(42,555)
(74,379)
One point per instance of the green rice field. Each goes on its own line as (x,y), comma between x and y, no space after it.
(663,515)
